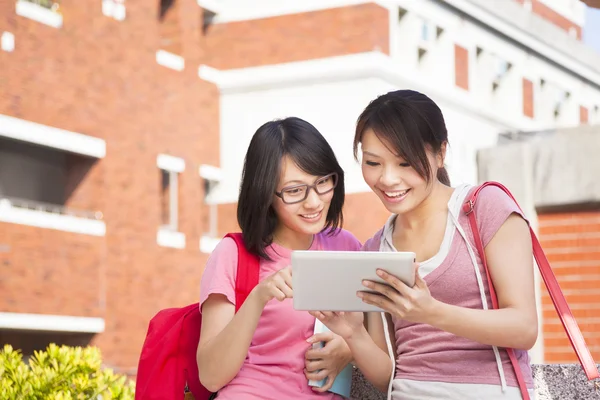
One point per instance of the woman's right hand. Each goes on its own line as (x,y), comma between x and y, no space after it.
(344,324)
(276,286)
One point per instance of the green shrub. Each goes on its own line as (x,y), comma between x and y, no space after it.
(60,373)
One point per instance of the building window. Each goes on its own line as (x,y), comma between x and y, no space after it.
(561,97)
(114,9)
(47,12)
(170,53)
(212,176)
(501,69)
(168,232)
(51,5)
(428,35)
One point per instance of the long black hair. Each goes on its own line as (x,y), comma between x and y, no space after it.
(304,144)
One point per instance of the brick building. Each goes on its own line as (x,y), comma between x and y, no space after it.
(123,125)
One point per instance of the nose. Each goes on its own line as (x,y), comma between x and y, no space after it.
(390,176)
(312,200)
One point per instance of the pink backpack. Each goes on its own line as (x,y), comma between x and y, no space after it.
(167,367)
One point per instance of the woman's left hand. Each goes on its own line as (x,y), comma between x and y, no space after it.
(327,361)
(414,304)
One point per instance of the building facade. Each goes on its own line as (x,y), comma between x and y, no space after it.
(123,128)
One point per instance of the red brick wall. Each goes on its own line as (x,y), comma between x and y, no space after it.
(99,77)
(51,272)
(461,67)
(583,115)
(539,8)
(528,98)
(572,244)
(297,37)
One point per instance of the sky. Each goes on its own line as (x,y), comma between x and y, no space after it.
(591,31)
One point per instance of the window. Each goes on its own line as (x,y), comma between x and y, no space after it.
(428,35)
(561,96)
(171,48)
(114,9)
(501,68)
(43,11)
(169,169)
(8,41)
(51,5)
(212,177)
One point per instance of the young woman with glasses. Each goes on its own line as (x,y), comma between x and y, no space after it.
(291,198)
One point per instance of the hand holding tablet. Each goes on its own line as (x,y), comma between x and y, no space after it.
(330,280)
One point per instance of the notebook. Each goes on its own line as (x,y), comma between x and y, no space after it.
(343,382)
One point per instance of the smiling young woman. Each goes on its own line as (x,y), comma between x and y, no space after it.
(291,198)
(448,343)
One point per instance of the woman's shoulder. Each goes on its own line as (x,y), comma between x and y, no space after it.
(373,243)
(339,239)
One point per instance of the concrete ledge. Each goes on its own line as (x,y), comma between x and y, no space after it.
(545,168)
(552,381)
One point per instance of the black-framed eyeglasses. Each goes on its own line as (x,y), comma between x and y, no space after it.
(297,193)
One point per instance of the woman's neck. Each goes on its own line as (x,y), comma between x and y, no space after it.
(289,239)
(435,203)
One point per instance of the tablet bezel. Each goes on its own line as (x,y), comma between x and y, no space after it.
(341,274)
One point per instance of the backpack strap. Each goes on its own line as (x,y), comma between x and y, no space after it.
(558,298)
(247,270)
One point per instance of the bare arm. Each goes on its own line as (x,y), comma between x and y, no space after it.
(225,337)
(370,352)
(514,324)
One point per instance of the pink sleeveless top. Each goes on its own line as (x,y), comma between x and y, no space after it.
(426,353)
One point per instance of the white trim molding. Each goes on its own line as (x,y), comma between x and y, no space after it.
(50,323)
(49,220)
(170,163)
(211,5)
(244,11)
(210,173)
(39,13)
(170,60)
(31,132)
(8,42)
(208,244)
(170,238)
(349,67)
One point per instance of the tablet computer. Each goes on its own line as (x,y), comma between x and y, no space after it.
(329,280)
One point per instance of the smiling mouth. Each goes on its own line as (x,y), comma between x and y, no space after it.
(312,216)
(395,194)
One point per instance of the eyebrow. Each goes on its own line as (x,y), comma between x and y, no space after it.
(371,154)
(295,182)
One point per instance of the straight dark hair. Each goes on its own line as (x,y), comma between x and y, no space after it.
(408,121)
(304,144)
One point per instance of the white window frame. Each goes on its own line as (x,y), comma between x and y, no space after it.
(38,13)
(169,235)
(114,9)
(212,176)
(8,42)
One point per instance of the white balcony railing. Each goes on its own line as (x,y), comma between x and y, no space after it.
(51,216)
